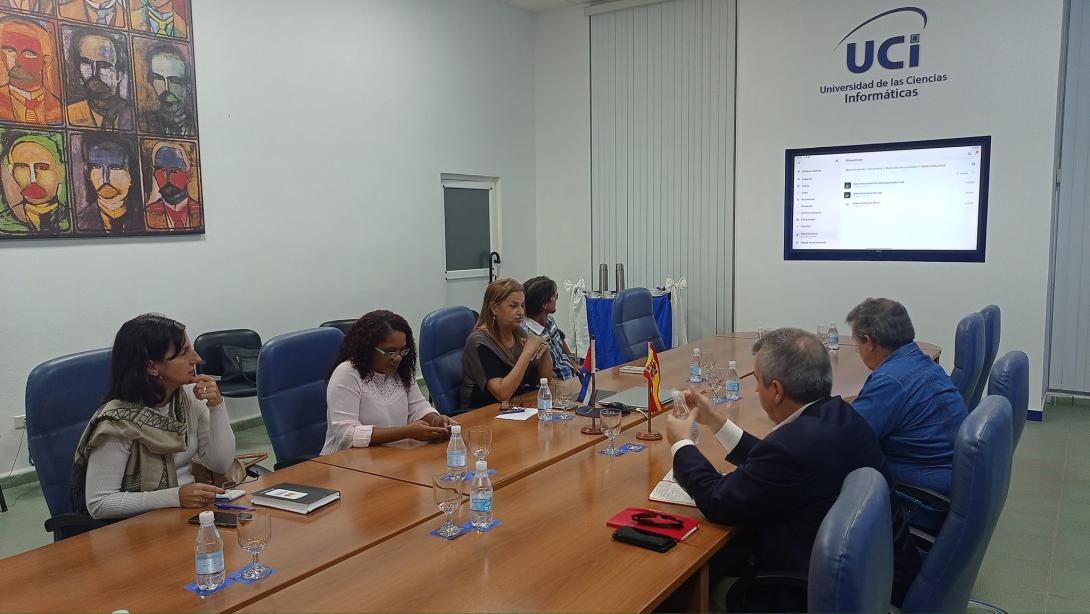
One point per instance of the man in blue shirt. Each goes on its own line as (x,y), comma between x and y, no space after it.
(541,296)
(908,400)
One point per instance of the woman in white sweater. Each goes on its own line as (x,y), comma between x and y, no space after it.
(372,397)
(137,451)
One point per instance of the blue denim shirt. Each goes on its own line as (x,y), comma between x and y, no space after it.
(914,408)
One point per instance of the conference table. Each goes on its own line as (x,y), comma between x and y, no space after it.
(372,550)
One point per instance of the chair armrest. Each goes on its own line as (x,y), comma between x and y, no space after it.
(923,539)
(933,499)
(783,579)
(289,462)
(70,521)
(256,471)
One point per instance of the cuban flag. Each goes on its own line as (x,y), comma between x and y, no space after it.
(586,377)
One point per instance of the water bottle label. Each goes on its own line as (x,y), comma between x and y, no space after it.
(834,339)
(210,562)
(546,404)
(733,386)
(480,502)
(694,373)
(456,459)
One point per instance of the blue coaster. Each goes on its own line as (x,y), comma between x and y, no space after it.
(435,532)
(450,478)
(237,575)
(192,587)
(633,447)
(467,526)
(471,474)
(620,451)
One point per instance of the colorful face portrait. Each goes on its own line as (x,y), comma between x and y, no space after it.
(107,195)
(165,88)
(160,17)
(171,172)
(28,50)
(97,70)
(44,7)
(33,175)
(98,12)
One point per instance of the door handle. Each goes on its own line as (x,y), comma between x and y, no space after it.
(493,259)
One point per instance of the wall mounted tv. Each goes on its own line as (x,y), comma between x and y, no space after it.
(917,200)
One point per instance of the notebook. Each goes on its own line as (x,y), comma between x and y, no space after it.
(298,498)
(624,519)
(669,491)
(636,396)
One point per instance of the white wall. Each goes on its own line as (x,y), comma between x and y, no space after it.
(562,143)
(324,129)
(1002,59)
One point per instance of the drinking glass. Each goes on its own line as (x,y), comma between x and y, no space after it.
(448,496)
(823,335)
(480,441)
(611,426)
(564,399)
(254,537)
(716,380)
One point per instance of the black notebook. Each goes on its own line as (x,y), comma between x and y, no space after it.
(298,498)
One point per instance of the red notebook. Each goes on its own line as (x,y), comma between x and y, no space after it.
(624,519)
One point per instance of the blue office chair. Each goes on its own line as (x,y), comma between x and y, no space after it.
(1010,379)
(442,342)
(61,396)
(968,356)
(342,325)
(291,385)
(992,329)
(982,471)
(634,323)
(210,347)
(851,564)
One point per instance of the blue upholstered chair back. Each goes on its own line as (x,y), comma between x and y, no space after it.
(442,341)
(968,356)
(61,396)
(851,565)
(992,329)
(209,346)
(982,471)
(1010,379)
(634,322)
(291,384)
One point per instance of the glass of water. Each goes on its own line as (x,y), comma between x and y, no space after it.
(448,496)
(254,537)
(611,427)
(823,335)
(564,399)
(480,441)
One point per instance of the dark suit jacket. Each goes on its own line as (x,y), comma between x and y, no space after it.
(785,484)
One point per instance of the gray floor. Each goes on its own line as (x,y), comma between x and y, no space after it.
(1038,561)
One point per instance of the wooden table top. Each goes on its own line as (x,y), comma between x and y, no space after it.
(552,552)
(142,563)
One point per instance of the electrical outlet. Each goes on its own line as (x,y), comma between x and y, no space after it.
(20,422)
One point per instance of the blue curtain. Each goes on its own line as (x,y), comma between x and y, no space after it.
(600,323)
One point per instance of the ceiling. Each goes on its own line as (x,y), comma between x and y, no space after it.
(544,5)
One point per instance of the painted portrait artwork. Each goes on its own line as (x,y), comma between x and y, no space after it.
(98,120)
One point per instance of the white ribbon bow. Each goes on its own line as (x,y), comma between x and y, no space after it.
(680,284)
(577,317)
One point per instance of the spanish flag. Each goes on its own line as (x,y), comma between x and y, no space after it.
(651,374)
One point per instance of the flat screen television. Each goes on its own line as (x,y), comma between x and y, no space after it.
(916,200)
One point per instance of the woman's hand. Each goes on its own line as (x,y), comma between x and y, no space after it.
(197,495)
(534,347)
(206,389)
(437,419)
(422,431)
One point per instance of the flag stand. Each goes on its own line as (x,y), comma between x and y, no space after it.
(592,428)
(649,434)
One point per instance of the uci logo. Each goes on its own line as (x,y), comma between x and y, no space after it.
(860,63)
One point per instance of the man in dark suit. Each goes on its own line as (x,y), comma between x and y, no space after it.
(785,484)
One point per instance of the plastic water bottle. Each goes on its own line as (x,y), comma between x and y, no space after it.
(480,497)
(834,337)
(209,549)
(733,383)
(456,453)
(544,401)
(695,375)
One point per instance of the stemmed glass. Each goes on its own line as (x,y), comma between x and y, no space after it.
(611,426)
(716,377)
(448,496)
(254,537)
(563,399)
(480,441)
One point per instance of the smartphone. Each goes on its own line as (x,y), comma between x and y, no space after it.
(644,539)
(227,520)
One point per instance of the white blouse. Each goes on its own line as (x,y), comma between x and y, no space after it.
(210,437)
(356,405)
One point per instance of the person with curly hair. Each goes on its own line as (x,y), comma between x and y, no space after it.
(372,397)
(500,360)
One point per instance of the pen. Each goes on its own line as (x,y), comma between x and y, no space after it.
(228,506)
(518,410)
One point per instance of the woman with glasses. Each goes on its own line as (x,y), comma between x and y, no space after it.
(372,397)
(137,452)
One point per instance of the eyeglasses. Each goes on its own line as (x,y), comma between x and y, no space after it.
(393,354)
(651,519)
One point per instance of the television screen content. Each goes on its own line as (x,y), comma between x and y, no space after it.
(919,200)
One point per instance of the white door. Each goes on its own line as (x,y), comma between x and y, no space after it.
(471,232)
